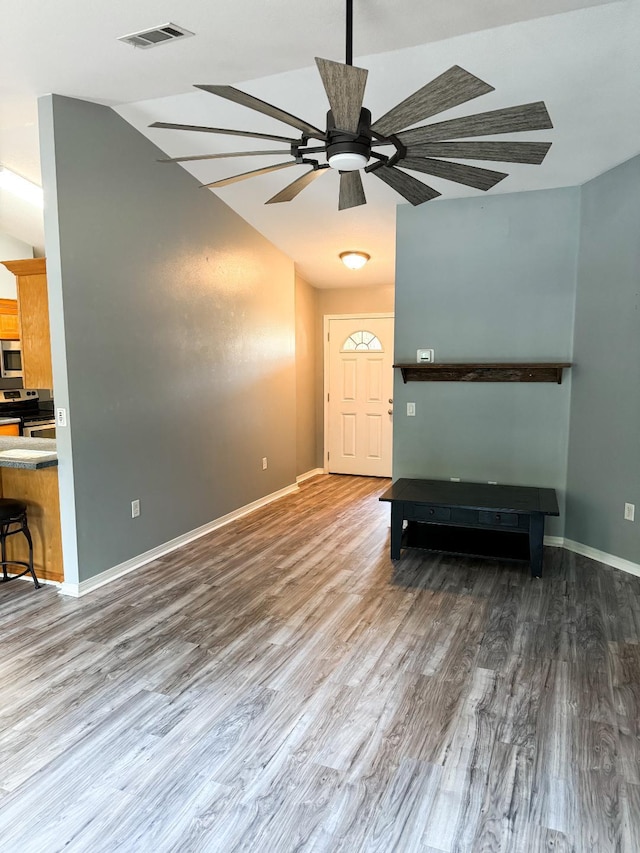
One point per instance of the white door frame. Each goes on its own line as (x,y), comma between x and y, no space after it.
(325,373)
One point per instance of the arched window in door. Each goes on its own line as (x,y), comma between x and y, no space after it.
(362,340)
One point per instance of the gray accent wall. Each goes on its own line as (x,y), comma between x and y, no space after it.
(173,337)
(604,444)
(489,278)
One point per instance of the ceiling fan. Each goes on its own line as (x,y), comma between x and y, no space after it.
(350,139)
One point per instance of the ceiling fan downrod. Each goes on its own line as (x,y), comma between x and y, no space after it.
(349,48)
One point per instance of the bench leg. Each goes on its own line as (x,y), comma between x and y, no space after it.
(536,543)
(397,517)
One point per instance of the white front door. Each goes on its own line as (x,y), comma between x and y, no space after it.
(360,388)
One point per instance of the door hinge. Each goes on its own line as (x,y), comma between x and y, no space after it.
(327,398)
(328,455)
(328,336)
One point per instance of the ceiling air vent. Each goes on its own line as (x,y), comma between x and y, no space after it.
(156,36)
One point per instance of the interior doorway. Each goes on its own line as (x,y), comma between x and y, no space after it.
(358,394)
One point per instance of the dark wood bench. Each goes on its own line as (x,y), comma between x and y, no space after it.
(475,519)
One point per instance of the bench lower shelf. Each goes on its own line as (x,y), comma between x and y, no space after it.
(467,541)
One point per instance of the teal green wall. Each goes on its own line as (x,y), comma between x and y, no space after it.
(540,276)
(604,441)
(486,279)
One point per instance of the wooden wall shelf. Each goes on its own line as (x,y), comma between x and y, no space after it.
(483,372)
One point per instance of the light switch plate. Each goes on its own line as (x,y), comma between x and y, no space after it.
(61,417)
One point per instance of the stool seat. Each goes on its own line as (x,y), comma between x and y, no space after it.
(10,509)
(13,514)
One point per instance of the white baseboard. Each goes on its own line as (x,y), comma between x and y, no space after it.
(309,474)
(602,557)
(594,554)
(77,590)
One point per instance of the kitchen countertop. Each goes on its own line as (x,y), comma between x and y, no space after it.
(32,453)
(4,421)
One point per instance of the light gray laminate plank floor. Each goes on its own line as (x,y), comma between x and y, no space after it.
(280,685)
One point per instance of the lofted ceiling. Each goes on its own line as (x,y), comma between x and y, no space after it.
(579,56)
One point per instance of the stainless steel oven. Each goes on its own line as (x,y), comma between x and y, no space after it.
(39,429)
(11,360)
(36,417)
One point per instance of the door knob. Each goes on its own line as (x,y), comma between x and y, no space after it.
(390,399)
(390,411)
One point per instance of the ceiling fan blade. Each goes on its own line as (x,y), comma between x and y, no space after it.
(246,100)
(224,132)
(351,190)
(253,174)
(295,187)
(410,188)
(510,120)
(455,86)
(344,85)
(505,152)
(470,176)
(220,156)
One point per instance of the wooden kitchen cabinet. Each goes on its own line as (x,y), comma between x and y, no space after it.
(33,321)
(39,490)
(9,330)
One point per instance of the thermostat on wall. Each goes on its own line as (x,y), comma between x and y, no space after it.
(425,356)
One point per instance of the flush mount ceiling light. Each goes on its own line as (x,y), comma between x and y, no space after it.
(20,187)
(354,260)
(349,140)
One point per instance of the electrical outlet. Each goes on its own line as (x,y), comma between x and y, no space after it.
(424,356)
(411,410)
(135,508)
(264,463)
(630,512)
(61,417)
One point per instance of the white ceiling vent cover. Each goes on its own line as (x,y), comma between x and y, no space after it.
(156,36)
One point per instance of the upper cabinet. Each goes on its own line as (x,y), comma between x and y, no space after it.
(33,321)
(9,330)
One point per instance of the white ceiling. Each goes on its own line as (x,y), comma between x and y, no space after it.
(579,57)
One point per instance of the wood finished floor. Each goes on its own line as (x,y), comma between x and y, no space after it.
(281,686)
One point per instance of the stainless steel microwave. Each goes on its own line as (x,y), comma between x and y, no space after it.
(11,360)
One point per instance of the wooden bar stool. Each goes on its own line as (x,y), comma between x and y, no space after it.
(12,513)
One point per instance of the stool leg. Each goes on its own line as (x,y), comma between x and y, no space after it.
(27,533)
(3,533)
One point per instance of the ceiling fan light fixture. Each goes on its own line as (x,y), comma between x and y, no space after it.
(348,161)
(354,260)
